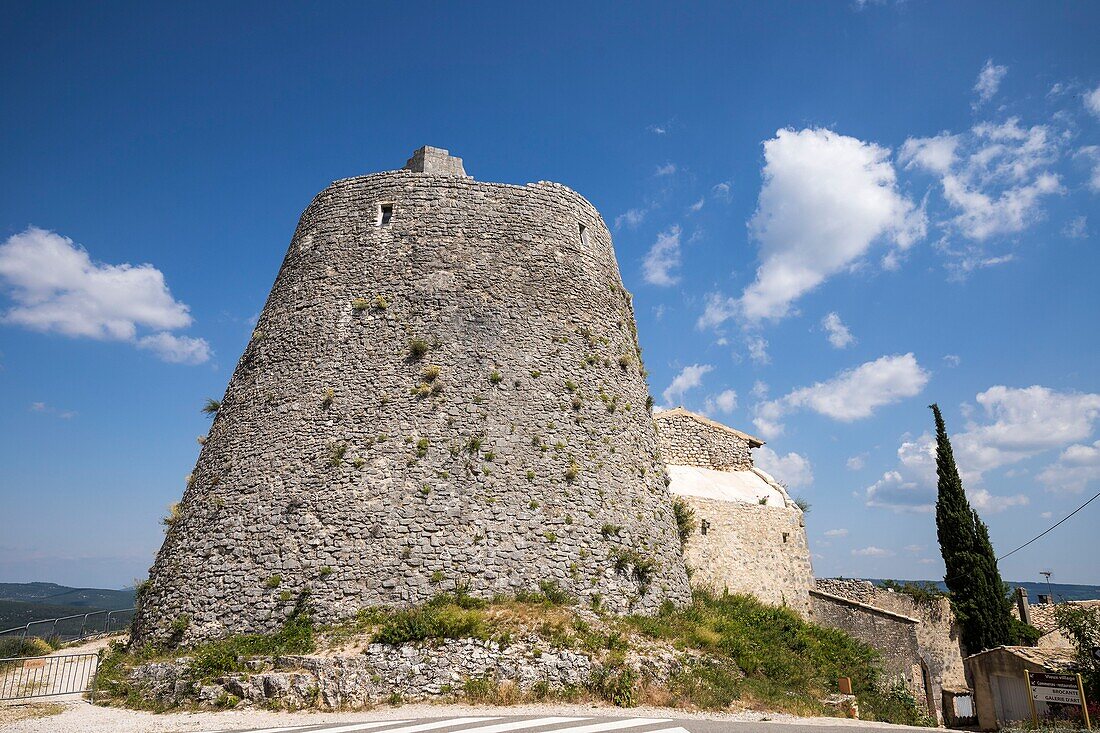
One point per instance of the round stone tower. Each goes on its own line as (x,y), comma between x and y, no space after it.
(444,390)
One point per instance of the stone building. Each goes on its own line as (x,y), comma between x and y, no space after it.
(750,536)
(444,388)
(918,639)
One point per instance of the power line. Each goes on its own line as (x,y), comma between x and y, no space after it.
(1042,534)
(1094,496)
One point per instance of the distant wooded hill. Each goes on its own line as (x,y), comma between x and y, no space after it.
(23,602)
(1062,591)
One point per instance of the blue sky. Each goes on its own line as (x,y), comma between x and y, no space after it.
(830,215)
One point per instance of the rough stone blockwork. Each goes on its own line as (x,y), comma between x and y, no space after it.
(893,635)
(692,440)
(411,672)
(758,550)
(937,634)
(444,388)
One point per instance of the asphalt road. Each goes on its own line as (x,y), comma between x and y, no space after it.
(562,724)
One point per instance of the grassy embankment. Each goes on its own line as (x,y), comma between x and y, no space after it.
(743,653)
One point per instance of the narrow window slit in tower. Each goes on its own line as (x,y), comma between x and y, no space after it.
(385,213)
(785,536)
(584,234)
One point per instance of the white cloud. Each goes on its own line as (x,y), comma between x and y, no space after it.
(688,378)
(725,401)
(56,287)
(842,532)
(994,177)
(839,335)
(1091,153)
(989,80)
(872,551)
(51,410)
(856,463)
(935,154)
(1017,424)
(826,199)
(1046,515)
(698,204)
(1076,228)
(793,470)
(914,549)
(718,309)
(759,389)
(666,170)
(1092,101)
(722,191)
(663,257)
(657,129)
(853,394)
(758,350)
(952,360)
(631,218)
(1076,468)
(176,349)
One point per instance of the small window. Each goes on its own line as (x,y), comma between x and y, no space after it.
(385,213)
(704,526)
(785,536)
(584,235)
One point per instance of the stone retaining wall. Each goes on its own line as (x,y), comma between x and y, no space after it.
(384,673)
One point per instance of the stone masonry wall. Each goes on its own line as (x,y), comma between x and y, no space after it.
(343,465)
(409,672)
(894,636)
(938,643)
(687,441)
(753,549)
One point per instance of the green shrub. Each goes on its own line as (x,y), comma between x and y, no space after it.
(380,302)
(210,407)
(615,683)
(549,594)
(336,454)
(787,662)
(444,617)
(431,372)
(685,518)
(228,655)
(418,348)
(32,646)
(495,377)
(359,304)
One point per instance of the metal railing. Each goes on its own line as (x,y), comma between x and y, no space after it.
(75,627)
(63,674)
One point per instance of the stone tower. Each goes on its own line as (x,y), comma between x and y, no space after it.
(444,388)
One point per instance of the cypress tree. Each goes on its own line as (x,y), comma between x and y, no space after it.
(972,577)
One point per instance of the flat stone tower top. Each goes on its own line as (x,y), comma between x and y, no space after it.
(435,160)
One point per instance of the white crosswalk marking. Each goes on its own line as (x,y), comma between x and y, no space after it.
(677,729)
(263,730)
(360,726)
(520,725)
(611,725)
(346,728)
(417,728)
